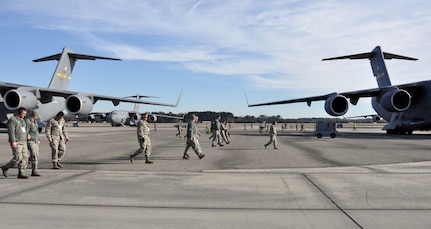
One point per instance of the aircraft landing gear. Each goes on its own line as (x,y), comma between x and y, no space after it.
(399,131)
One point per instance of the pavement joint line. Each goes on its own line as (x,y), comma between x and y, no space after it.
(191,207)
(335,203)
(44,185)
(205,208)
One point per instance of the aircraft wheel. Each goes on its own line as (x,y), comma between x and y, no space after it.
(391,132)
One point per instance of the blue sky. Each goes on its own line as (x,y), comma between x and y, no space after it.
(214,50)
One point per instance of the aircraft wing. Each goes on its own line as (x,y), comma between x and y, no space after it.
(362,116)
(354,96)
(168,116)
(45,95)
(117,100)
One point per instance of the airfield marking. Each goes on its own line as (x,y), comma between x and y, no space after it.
(44,185)
(335,203)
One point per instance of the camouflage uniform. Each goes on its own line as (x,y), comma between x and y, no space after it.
(33,144)
(223,132)
(272,136)
(143,134)
(193,139)
(216,132)
(56,130)
(17,134)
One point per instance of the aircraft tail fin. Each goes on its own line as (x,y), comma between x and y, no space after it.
(376,57)
(66,61)
(136,108)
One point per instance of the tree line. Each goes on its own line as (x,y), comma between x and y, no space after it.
(231,118)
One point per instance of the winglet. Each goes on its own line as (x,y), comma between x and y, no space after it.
(246,99)
(179,97)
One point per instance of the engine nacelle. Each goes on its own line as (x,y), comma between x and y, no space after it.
(396,100)
(376,118)
(153,118)
(336,105)
(135,118)
(78,105)
(14,99)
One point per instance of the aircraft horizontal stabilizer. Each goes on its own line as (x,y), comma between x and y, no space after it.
(75,56)
(352,57)
(395,56)
(141,96)
(370,55)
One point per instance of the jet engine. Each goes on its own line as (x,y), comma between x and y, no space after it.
(135,118)
(376,118)
(153,118)
(336,105)
(78,105)
(14,99)
(396,100)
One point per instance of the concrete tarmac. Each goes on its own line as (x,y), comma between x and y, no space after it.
(361,179)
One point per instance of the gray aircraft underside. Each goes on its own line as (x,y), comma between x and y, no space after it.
(49,101)
(405,107)
(123,117)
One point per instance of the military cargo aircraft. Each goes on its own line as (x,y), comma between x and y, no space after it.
(405,107)
(122,117)
(49,101)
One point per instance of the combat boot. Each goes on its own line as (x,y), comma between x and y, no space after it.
(147,160)
(5,171)
(22,176)
(55,165)
(34,172)
(59,164)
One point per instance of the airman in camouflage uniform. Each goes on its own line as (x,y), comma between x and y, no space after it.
(18,141)
(56,133)
(272,135)
(33,140)
(143,133)
(193,138)
(215,127)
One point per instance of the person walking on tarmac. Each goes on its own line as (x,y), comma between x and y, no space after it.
(56,133)
(143,133)
(215,128)
(18,141)
(193,138)
(272,135)
(224,132)
(33,140)
(179,126)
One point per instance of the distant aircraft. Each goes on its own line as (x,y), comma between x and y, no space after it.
(406,107)
(374,117)
(99,116)
(49,101)
(122,117)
